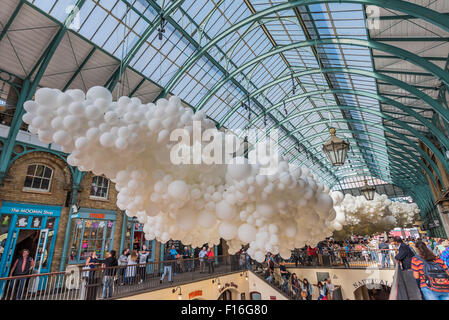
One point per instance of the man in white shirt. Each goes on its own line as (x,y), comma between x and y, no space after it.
(201,255)
(330,289)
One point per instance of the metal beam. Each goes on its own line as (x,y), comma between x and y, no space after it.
(421,137)
(212,60)
(444,76)
(29,88)
(367,133)
(424,13)
(141,82)
(81,66)
(112,82)
(408,110)
(412,39)
(11,19)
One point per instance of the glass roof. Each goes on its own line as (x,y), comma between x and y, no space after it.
(278,88)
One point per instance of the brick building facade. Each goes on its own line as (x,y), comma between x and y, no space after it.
(59,194)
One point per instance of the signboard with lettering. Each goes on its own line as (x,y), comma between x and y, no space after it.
(272,297)
(196,293)
(364,282)
(228,285)
(29,209)
(86,213)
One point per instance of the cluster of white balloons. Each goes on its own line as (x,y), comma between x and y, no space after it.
(378,215)
(130,143)
(404,213)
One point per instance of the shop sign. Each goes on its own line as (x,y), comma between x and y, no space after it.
(363,282)
(196,293)
(97,215)
(227,285)
(30,209)
(272,297)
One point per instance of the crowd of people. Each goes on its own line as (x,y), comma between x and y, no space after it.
(427,258)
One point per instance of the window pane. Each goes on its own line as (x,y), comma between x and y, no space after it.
(28,181)
(39,171)
(37,183)
(47,173)
(31,169)
(45,184)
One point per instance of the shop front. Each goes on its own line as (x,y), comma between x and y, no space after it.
(27,226)
(134,239)
(92,231)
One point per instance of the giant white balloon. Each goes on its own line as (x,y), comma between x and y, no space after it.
(151,152)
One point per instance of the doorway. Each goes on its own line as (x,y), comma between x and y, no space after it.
(26,239)
(226,295)
(372,292)
(138,240)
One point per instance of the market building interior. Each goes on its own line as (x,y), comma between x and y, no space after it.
(363,82)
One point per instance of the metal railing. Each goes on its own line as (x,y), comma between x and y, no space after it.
(353,259)
(79,283)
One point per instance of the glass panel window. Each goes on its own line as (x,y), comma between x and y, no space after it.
(90,235)
(38,177)
(99,187)
(5,222)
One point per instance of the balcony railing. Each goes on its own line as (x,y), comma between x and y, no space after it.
(78,283)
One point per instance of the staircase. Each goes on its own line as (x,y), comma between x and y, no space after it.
(276,284)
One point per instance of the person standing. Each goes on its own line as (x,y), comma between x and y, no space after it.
(173,252)
(344,258)
(373,249)
(143,257)
(432,273)
(295,285)
(122,262)
(330,289)
(210,260)
(445,254)
(202,255)
(92,263)
(242,260)
(405,254)
(168,266)
(109,263)
(322,291)
(22,267)
(131,267)
(306,290)
(187,259)
(383,247)
(284,275)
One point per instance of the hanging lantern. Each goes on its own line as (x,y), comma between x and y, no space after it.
(336,149)
(368,191)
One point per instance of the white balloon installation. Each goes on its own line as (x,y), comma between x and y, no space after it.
(368,217)
(131,143)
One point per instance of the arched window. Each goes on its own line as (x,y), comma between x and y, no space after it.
(99,187)
(38,178)
(254,295)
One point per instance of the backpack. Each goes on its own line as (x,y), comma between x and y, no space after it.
(435,276)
